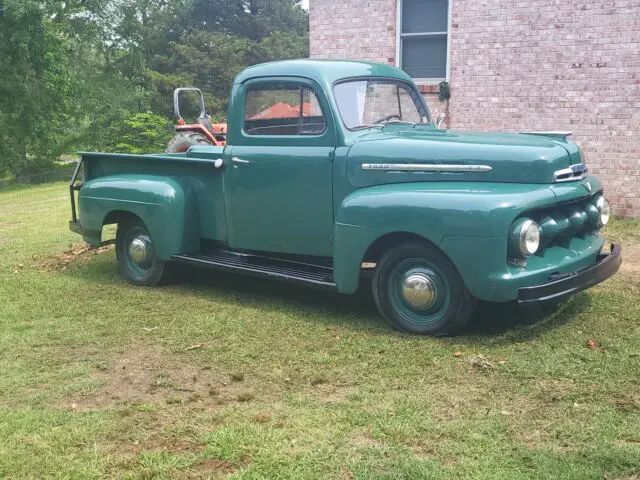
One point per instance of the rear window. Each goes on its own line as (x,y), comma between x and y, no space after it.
(282,109)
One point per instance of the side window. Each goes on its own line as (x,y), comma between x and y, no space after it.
(282,109)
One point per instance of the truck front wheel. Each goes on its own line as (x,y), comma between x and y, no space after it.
(139,264)
(418,290)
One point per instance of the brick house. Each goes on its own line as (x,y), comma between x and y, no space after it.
(512,65)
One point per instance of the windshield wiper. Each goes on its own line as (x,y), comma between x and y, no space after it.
(367,125)
(389,122)
(413,124)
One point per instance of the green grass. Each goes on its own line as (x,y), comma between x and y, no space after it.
(218,375)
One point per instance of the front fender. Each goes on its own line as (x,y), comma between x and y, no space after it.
(435,211)
(160,202)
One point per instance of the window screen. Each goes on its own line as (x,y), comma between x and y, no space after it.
(424,32)
(282,109)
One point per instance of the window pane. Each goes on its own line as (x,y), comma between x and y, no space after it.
(381,101)
(312,119)
(425,57)
(408,111)
(275,110)
(366,102)
(423,16)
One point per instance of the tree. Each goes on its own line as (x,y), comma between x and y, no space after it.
(83,74)
(33,84)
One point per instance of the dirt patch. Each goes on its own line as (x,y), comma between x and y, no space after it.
(630,267)
(326,393)
(539,419)
(208,467)
(627,402)
(553,390)
(147,376)
(633,476)
(364,439)
(78,251)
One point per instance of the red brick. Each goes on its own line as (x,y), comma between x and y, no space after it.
(523,65)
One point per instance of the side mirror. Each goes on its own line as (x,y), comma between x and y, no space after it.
(440,119)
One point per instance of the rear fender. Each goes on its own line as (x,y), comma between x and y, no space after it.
(164,205)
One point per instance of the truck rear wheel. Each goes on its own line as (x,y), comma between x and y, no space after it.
(185,140)
(139,264)
(418,290)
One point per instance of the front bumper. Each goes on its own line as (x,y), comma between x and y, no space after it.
(569,283)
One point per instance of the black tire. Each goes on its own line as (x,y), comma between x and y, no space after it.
(185,140)
(438,304)
(150,270)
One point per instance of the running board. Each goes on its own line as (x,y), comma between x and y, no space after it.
(265,267)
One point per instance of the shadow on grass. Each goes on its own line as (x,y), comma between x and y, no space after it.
(357,312)
(352,311)
(510,321)
(515,323)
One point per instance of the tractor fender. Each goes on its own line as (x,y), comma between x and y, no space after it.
(167,208)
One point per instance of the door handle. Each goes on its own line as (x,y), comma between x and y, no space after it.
(239,160)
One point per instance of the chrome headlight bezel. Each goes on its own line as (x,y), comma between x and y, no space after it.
(530,236)
(604,211)
(525,238)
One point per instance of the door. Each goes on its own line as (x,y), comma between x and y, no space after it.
(278,181)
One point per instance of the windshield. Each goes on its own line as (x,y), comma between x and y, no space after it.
(365,103)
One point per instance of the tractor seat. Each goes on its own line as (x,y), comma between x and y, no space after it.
(206,123)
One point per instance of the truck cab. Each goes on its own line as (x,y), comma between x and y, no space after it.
(334,175)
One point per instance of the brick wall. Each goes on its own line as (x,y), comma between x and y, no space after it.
(520,65)
(353,29)
(555,64)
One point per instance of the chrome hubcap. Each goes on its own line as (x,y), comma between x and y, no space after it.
(139,250)
(419,291)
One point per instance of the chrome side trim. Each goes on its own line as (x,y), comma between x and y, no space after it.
(426,167)
(571,174)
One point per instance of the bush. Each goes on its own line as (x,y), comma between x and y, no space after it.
(139,133)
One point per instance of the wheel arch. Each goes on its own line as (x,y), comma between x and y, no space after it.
(166,208)
(385,242)
(354,245)
(119,216)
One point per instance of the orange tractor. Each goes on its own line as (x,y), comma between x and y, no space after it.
(203,132)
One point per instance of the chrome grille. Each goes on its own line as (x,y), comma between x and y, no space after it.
(574,172)
(560,223)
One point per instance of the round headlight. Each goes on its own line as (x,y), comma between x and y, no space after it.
(529,237)
(604,211)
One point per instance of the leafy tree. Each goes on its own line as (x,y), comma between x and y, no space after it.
(139,133)
(33,84)
(84,74)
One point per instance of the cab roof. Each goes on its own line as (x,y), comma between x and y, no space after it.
(324,72)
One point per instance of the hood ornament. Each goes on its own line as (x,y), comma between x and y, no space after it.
(587,185)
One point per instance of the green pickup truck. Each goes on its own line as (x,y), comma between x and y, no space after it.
(334,174)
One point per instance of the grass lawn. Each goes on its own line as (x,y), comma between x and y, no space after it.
(218,375)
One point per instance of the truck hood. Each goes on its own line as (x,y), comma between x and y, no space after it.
(404,153)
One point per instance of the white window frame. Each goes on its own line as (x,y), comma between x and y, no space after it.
(399,35)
